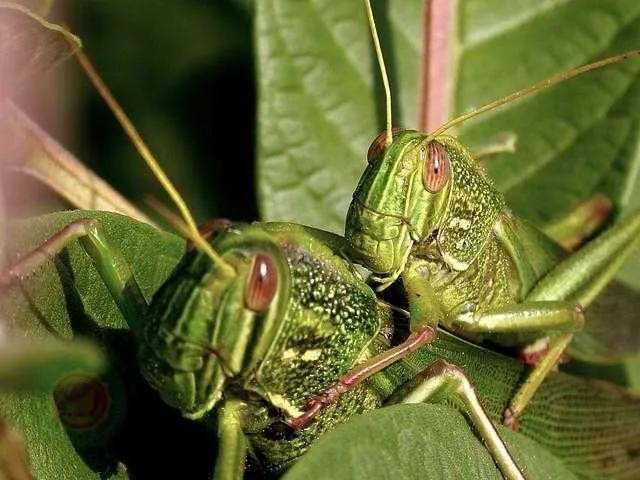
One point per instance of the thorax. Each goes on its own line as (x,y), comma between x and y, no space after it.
(489,281)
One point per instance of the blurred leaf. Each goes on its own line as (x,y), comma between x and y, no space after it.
(52,452)
(611,332)
(319,90)
(38,365)
(41,7)
(626,373)
(29,45)
(36,154)
(411,441)
(632,371)
(630,272)
(3,225)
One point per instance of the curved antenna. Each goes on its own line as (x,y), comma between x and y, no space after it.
(145,153)
(383,70)
(542,85)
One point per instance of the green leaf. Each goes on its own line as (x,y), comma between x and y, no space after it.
(630,272)
(573,140)
(51,450)
(70,429)
(34,368)
(414,441)
(632,374)
(29,45)
(318,91)
(46,305)
(626,374)
(320,98)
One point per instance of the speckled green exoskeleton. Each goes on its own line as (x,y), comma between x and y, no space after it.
(424,211)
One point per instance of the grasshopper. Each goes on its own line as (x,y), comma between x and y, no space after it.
(424,211)
(259,319)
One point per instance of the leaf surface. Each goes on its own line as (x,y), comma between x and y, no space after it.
(87,426)
(407,441)
(321,101)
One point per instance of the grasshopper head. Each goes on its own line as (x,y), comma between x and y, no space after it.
(419,187)
(206,330)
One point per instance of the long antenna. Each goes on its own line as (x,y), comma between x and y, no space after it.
(549,82)
(151,162)
(383,70)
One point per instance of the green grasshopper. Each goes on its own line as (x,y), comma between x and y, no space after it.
(255,322)
(424,211)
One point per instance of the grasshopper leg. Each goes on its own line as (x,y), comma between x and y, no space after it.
(444,379)
(354,377)
(232,449)
(560,319)
(585,273)
(535,378)
(579,278)
(528,317)
(111,265)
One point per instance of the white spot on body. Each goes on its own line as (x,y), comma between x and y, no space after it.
(537,347)
(462,223)
(311,355)
(282,403)
(454,263)
(289,354)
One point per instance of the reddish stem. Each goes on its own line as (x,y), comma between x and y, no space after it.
(435,68)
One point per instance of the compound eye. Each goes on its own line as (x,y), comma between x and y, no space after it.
(437,169)
(262,283)
(377,147)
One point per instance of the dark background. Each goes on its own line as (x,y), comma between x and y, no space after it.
(183,71)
